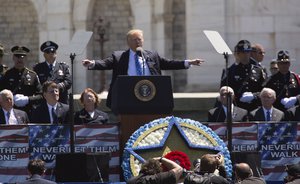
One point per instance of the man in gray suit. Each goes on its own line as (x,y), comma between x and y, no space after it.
(267,112)
(219,114)
(136,61)
(9,115)
(36,168)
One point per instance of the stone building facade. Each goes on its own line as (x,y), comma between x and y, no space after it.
(172,27)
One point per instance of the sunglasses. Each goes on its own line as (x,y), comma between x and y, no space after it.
(19,55)
(52,52)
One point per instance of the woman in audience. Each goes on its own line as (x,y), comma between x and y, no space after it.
(90,113)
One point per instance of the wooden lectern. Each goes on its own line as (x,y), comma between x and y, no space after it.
(138,100)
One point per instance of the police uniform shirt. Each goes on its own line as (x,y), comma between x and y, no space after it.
(244,78)
(60,74)
(23,81)
(287,85)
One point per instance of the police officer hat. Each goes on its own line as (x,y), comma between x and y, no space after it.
(20,51)
(49,46)
(293,169)
(243,46)
(283,56)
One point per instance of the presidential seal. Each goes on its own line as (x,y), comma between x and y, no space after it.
(144,90)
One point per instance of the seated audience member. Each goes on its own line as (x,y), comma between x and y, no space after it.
(293,172)
(36,169)
(50,110)
(267,112)
(244,175)
(151,172)
(219,113)
(9,115)
(208,171)
(90,113)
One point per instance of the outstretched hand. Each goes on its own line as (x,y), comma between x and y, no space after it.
(196,62)
(87,63)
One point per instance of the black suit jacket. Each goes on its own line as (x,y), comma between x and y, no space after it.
(258,115)
(21,116)
(120,60)
(218,114)
(37,179)
(83,117)
(40,114)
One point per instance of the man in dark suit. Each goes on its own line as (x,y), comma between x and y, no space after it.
(36,168)
(9,115)
(53,70)
(293,114)
(136,61)
(219,113)
(267,112)
(50,110)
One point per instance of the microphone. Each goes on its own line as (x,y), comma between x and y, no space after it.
(139,52)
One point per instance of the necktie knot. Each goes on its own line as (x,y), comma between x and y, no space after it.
(50,67)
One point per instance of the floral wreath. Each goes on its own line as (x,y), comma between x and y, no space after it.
(154,135)
(180,158)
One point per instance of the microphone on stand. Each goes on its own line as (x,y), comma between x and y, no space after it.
(139,52)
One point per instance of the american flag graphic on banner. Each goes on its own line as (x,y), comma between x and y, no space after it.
(279,145)
(100,138)
(47,140)
(244,135)
(14,153)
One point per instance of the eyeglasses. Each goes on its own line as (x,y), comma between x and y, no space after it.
(274,68)
(262,53)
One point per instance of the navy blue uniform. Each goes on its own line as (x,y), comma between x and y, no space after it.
(24,82)
(244,78)
(60,74)
(287,85)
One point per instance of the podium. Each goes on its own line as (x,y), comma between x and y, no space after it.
(140,99)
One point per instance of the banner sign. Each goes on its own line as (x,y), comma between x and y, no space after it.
(277,143)
(21,143)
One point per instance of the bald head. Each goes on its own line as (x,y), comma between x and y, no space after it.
(243,171)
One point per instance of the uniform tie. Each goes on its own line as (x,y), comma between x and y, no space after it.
(50,67)
(138,65)
(268,116)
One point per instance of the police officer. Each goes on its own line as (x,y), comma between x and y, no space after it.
(285,82)
(24,83)
(53,70)
(244,78)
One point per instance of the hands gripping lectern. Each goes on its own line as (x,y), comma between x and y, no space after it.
(140,99)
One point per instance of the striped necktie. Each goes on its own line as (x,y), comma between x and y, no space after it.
(138,65)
